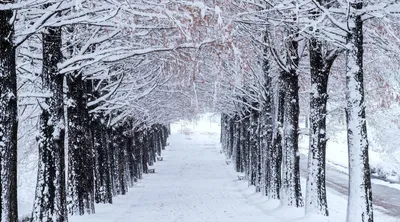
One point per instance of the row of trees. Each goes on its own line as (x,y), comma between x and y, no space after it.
(107,163)
(97,76)
(88,70)
(260,124)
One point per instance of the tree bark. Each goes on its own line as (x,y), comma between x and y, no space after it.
(145,152)
(103,192)
(131,163)
(138,154)
(291,189)
(80,149)
(253,146)
(274,154)
(50,196)
(243,144)
(266,122)
(238,156)
(8,119)
(320,68)
(360,193)
(120,142)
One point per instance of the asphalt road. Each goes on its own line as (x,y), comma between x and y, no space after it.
(385,198)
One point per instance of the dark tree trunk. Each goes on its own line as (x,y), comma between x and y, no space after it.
(360,193)
(112,161)
(103,192)
(274,154)
(246,145)
(50,197)
(80,149)
(243,144)
(259,172)
(253,146)
(237,153)
(158,140)
(120,143)
(8,119)
(138,154)
(100,143)
(131,163)
(266,122)
(115,163)
(229,149)
(145,153)
(231,138)
(223,130)
(291,189)
(320,68)
(164,136)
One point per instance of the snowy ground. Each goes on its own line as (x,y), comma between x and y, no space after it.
(384,162)
(194,184)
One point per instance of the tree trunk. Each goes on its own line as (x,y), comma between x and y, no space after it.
(238,156)
(360,194)
(138,155)
(112,162)
(158,140)
(8,119)
(103,176)
(231,137)
(145,152)
(246,146)
(80,149)
(274,154)
(316,189)
(291,189)
(243,153)
(253,143)
(50,196)
(266,122)
(121,160)
(131,163)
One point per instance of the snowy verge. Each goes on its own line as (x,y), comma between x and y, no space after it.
(384,166)
(337,204)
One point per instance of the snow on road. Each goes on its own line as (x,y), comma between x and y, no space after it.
(194,184)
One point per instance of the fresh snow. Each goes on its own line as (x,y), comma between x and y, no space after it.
(194,184)
(383,164)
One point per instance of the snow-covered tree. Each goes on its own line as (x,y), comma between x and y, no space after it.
(9,116)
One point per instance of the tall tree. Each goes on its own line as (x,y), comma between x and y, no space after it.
(103,192)
(321,61)
(8,118)
(266,120)
(267,123)
(320,65)
(138,155)
(291,189)
(80,150)
(254,146)
(50,197)
(360,194)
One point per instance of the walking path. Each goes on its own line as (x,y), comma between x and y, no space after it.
(194,184)
(191,184)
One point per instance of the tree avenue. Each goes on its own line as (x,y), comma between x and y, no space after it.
(95,85)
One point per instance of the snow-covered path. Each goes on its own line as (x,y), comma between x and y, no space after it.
(192,184)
